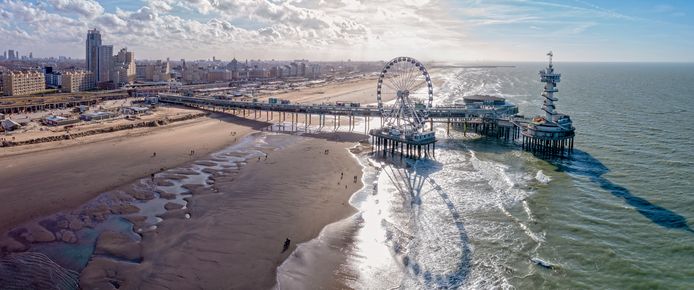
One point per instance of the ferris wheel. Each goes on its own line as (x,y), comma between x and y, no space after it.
(405,80)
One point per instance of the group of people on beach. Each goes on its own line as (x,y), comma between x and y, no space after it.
(191,153)
(342,175)
(154,154)
(265,157)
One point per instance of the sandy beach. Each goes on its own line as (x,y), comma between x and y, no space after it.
(237,228)
(41,179)
(246,216)
(228,235)
(361,90)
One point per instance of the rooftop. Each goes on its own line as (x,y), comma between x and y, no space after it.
(483,98)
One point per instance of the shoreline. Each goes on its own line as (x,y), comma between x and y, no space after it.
(322,250)
(239,218)
(153,252)
(106,159)
(74,172)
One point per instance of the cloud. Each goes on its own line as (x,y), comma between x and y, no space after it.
(290,28)
(111,21)
(144,14)
(87,8)
(317,29)
(160,5)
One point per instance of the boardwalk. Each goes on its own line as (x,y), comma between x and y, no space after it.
(437,114)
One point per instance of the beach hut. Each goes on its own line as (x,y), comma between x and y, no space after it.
(151,100)
(135,110)
(10,125)
(58,121)
(90,116)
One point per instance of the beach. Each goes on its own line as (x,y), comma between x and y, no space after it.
(45,178)
(361,90)
(235,235)
(229,230)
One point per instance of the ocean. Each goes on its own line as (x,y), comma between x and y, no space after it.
(619,213)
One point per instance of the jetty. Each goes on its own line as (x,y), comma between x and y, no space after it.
(403,125)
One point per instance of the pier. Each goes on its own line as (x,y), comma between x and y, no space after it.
(491,121)
(495,122)
(402,126)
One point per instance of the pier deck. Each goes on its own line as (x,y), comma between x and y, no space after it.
(437,114)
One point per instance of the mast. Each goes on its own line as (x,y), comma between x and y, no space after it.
(550,78)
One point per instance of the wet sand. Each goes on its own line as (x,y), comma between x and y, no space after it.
(41,179)
(234,237)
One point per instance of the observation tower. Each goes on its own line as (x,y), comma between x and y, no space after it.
(552,134)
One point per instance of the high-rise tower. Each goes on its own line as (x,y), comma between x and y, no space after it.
(92,52)
(104,63)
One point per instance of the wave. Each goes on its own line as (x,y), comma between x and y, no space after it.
(542,178)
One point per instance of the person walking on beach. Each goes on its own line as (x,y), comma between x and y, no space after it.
(152,176)
(286,245)
(154,154)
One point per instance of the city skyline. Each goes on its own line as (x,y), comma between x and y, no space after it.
(331,30)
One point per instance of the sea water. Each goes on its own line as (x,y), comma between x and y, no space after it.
(618,213)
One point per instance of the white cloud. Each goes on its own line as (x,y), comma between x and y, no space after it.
(278,29)
(87,8)
(144,14)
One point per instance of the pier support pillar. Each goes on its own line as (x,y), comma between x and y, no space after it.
(448,127)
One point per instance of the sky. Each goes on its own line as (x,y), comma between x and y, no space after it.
(429,30)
